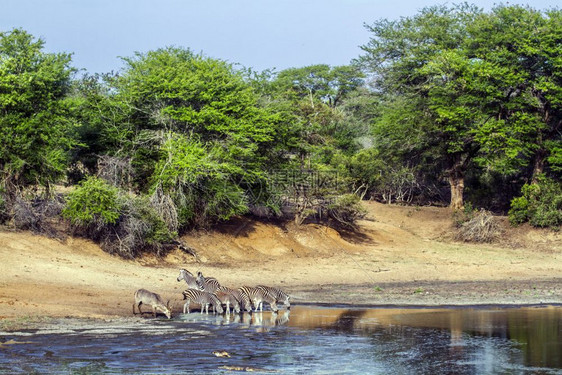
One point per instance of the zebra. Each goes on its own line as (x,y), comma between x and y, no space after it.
(189,278)
(241,298)
(208,284)
(257,296)
(152,299)
(228,298)
(203,298)
(277,294)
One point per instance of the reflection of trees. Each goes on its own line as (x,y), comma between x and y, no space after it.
(468,339)
(540,333)
(432,341)
(347,319)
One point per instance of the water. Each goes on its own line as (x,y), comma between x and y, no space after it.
(311,339)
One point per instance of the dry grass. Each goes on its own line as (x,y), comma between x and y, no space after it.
(482,227)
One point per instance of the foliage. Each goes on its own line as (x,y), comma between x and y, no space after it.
(104,130)
(139,229)
(328,84)
(198,134)
(540,204)
(93,202)
(346,210)
(202,181)
(35,131)
(383,179)
(527,54)
(459,94)
(124,225)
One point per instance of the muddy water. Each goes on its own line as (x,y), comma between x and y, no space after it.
(311,339)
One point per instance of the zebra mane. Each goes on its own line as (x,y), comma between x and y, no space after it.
(186,271)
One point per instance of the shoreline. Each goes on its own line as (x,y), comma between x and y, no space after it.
(401,256)
(396,295)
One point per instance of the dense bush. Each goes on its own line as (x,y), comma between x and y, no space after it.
(93,201)
(346,210)
(540,204)
(124,225)
(375,177)
(38,215)
(139,229)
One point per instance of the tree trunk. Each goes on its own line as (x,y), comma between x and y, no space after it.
(456,180)
(538,165)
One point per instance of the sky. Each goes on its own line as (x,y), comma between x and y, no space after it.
(261,34)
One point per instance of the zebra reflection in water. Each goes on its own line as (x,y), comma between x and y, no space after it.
(260,321)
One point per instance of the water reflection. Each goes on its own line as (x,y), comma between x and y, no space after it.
(309,339)
(536,331)
(259,321)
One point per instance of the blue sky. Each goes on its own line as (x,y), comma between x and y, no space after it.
(255,33)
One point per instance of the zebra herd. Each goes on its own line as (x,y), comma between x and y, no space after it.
(207,291)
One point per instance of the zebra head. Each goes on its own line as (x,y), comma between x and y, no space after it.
(200,280)
(287,303)
(184,275)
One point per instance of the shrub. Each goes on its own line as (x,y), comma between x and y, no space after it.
(139,229)
(123,225)
(383,179)
(93,201)
(31,215)
(463,216)
(540,204)
(346,209)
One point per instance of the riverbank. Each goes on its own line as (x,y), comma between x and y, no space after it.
(400,256)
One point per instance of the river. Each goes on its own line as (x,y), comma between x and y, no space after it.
(307,339)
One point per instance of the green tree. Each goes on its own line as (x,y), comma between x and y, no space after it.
(418,61)
(524,67)
(329,84)
(477,90)
(35,131)
(196,131)
(103,127)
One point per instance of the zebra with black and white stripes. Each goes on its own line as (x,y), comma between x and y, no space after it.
(208,284)
(277,294)
(203,298)
(188,278)
(242,299)
(258,296)
(228,299)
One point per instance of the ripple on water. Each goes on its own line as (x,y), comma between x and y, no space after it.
(317,340)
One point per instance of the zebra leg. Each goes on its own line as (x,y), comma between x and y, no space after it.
(186,307)
(228,307)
